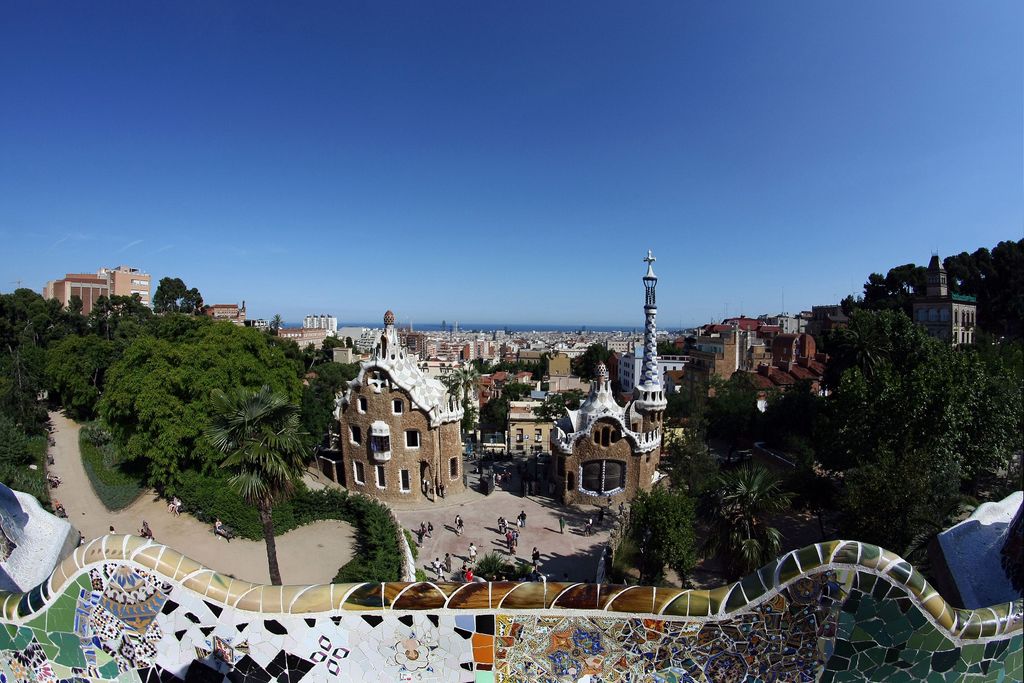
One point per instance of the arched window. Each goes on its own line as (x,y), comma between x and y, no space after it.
(600,477)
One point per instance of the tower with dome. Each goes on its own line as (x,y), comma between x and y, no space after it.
(400,430)
(604,450)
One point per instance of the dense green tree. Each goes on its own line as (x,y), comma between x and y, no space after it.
(661,524)
(890,500)
(173,296)
(318,398)
(157,397)
(585,365)
(555,405)
(75,371)
(495,411)
(732,413)
(738,510)
(920,395)
(688,461)
(260,434)
(123,317)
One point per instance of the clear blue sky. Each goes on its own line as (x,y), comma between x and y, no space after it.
(507,162)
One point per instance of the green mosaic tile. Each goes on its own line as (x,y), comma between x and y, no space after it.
(69,649)
(109,670)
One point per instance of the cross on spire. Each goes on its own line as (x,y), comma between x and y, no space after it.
(649,259)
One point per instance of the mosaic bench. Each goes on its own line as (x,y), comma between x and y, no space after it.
(127,609)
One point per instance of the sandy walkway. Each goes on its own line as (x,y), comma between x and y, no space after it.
(330,542)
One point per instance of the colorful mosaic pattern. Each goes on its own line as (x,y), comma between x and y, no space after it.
(125,609)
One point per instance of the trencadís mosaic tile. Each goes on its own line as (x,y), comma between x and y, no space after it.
(125,609)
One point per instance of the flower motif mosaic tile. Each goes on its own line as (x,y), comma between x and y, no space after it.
(131,611)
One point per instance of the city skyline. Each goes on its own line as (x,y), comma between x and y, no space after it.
(500,166)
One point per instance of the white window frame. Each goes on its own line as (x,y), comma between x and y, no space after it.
(361,404)
(355,473)
(409,432)
(379,474)
(352,435)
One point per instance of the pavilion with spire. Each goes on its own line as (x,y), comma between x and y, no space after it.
(604,450)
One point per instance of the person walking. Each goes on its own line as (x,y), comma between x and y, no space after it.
(447,564)
(501,525)
(419,535)
(589,529)
(436,566)
(508,540)
(458,525)
(469,575)
(522,518)
(472,553)
(535,556)
(561,524)
(430,529)
(515,540)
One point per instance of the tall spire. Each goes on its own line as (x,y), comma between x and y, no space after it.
(648,393)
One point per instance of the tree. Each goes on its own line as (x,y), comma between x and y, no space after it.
(732,414)
(157,396)
(173,296)
(75,370)
(119,316)
(585,366)
(276,323)
(319,395)
(737,511)
(688,460)
(555,405)
(661,525)
(259,434)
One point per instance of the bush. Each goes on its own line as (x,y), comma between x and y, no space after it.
(115,487)
(412,544)
(492,565)
(16,454)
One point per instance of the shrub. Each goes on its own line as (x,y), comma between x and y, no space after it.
(412,544)
(18,452)
(115,487)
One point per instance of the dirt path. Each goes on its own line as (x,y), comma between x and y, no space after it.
(330,542)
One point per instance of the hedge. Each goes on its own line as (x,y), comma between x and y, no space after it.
(377,558)
(115,488)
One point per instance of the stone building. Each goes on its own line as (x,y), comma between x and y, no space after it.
(604,450)
(947,316)
(400,430)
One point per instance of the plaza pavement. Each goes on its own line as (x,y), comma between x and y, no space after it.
(571,553)
(331,542)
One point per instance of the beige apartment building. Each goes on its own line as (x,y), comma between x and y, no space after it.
(89,287)
(527,433)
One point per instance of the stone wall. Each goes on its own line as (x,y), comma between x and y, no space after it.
(431,459)
(127,609)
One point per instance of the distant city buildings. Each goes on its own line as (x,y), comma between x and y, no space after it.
(304,336)
(321,322)
(232,313)
(88,287)
(947,316)
(794,359)
(630,366)
(527,433)
(825,319)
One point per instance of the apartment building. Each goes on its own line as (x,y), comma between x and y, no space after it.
(232,313)
(89,287)
(321,321)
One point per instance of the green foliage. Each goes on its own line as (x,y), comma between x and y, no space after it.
(737,511)
(891,499)
(75,370)
(732,414)
(995,277)
(914,393)
(119,317)
(585,365)
(555,405)
(492,565)
(661,525)
(116,488)
(412,544)
(318,399)
(495,411)
(158,395)
(172,296)
(17,452)
(689,462)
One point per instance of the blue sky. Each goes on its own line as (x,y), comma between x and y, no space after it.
(507,162)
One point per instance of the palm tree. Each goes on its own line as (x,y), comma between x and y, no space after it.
(467,378)
(276,323)
(737,512)
(258,432)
